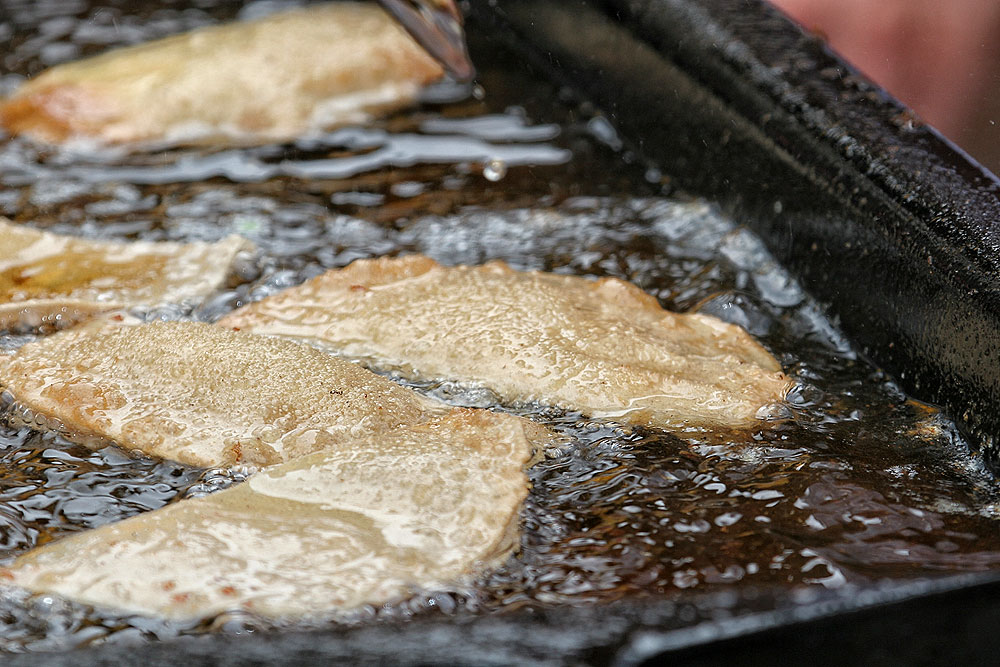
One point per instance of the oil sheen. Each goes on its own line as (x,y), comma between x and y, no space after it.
(855,484)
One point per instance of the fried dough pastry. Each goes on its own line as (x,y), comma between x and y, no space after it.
(44,276)
(363,522)
(203,395)
(250,82)
(604,347)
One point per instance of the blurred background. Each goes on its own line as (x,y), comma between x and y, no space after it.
(939,57)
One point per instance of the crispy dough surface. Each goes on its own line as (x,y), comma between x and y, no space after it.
(360,523)
(262,80)
(204,395)
(43,275)
(603,347)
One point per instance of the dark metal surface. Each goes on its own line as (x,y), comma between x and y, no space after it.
(881,218)
(933,626)
(437,26)
(885,222)
(915,623)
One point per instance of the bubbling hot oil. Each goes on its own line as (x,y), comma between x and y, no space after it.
(856,483)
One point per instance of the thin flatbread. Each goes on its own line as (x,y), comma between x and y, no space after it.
(201,394)
(45,277)
(603,347)
(247,82)
(363,522)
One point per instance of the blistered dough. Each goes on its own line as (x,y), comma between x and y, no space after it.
(47,277)
(602,347)
(254,81)
(363,522)
(201,394)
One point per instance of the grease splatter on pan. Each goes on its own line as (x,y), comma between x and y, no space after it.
(857,484)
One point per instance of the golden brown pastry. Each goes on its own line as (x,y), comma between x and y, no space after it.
(46,276)
(363,522)
(203,395)
(604,347)
(250,82)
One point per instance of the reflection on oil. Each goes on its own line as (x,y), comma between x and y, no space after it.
(856,485)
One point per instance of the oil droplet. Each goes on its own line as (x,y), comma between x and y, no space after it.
(494,170)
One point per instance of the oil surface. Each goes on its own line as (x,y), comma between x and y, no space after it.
(856,485)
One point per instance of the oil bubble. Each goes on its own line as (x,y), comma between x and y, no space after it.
(494,170)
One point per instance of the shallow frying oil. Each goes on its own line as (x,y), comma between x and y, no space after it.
(854,485)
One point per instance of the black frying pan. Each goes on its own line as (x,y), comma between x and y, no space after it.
(882,220)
